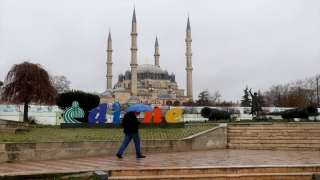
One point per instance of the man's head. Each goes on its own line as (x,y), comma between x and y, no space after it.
(255,93)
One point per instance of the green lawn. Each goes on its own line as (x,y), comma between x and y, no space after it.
(55,134)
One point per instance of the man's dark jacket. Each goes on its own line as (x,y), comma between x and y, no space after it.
(130,123)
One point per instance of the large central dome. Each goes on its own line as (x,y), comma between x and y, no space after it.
(149,68)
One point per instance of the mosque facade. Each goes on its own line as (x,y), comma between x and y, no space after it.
(147,83)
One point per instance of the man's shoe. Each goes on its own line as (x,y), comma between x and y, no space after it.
(119,155)
(141,156)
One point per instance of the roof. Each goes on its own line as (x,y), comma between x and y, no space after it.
(149,67)
(134,16)
(106,94)
(119,89)
(188,24)
(165,96)
(134,98)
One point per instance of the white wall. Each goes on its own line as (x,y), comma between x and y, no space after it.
(54,118)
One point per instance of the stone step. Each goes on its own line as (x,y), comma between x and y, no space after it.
(20,126)
(277,148)
(273,141)
(214,170)
(256,134)
(272,137)
(10,122)
(242,176)
(274,130)
(273,127)
(280,145)
(11,130)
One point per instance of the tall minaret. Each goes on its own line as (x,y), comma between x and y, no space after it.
(134,50)
(189,62)
(109,63)
(156,53)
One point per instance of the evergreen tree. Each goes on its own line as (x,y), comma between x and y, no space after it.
(261,99)
(246,101)
(204,98)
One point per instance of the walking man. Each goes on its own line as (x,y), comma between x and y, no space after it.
(130,125)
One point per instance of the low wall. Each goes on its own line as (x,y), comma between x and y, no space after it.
(50,118)
(210,139)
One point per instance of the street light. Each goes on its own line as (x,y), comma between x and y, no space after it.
(317,93)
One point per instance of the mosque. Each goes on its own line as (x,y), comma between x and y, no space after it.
(147,83)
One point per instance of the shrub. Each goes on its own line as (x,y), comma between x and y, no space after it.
(32,120)
(86,101)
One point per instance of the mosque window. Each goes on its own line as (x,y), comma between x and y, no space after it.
(157,84)
(142,92)
(169,103)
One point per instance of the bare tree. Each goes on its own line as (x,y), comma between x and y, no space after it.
(26,83)
(294,94)
(1,83)
(60,83)
(216,96)
(206,98)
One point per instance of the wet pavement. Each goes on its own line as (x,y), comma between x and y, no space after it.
(194,159)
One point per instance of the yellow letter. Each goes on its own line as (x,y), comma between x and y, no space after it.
(173,115)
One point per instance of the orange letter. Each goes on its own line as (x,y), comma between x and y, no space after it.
(147,117)
(156,117)
(173,115)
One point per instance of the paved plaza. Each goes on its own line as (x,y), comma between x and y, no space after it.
(195,159)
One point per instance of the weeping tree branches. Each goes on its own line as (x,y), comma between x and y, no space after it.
(26,83)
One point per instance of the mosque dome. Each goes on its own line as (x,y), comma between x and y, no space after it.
(149,68)
(106,94)
(133,100)
(164,96)
(120,89)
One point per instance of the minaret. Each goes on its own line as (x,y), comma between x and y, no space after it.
(156,53)
(109,62)
(134,50)
(189,62)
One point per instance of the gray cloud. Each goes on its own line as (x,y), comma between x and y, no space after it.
(235,43)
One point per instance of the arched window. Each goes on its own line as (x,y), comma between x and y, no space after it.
(169,103)
(142,92)
(176,103)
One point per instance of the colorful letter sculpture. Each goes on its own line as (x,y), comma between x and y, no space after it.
(116,107)
(73,112)
(156,117)
(102,110)
(98,115)
(173,115)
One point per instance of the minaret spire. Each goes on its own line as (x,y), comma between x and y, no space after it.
(134,49)
(109,62)
(156,53)
(189,62)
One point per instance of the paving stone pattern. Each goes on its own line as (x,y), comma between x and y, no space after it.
(195,159)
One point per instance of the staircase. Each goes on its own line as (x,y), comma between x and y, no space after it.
(7,126)
(218,173)
(284,136)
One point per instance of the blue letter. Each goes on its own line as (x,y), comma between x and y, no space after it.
(102,110)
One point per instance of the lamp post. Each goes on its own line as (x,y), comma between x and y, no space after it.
(317,92)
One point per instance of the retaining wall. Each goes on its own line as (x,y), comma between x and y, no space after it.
(210,139)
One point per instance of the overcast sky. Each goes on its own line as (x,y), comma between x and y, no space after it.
(234,43)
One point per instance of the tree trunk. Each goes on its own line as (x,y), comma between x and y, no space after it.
(25,113)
